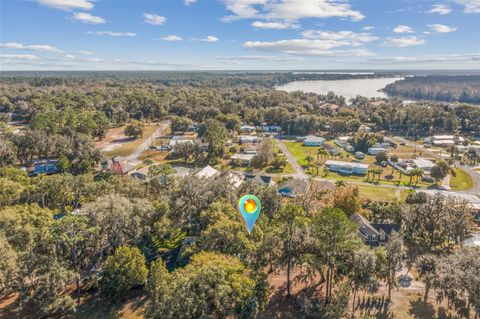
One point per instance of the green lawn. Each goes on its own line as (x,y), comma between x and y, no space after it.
(301,152)
(377,193)
(129,147)
(461,181)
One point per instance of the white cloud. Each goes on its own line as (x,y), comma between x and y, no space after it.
(172,37)
(189,2)
(290,10)
(275,25)
(367,28)
(403,29)
(261,58)
(29,57)
(440,9)
(210,38)
(319,43)
(349,38)
(67,5)
(155,19)
(113,34)
(404,41)
(85,52)
(306,47)
(469,6)
(87,18)
(441,28)
(31,47)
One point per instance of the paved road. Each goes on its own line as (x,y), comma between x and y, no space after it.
(133,158)
(476,180)
(299,173)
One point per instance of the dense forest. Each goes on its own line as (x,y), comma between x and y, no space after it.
(440,88)
(170,78)
(178,241)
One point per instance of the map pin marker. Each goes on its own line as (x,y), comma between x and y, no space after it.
(249,207)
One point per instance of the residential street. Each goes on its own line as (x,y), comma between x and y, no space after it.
(133,158)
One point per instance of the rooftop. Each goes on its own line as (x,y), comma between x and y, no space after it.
(244,157)
(423,163)
(207,172)
(346,164)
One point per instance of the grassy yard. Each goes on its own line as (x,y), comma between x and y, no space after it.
(461,181)
(129,147)
(378,193)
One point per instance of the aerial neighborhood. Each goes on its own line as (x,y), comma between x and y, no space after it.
(239,159)
(152,177)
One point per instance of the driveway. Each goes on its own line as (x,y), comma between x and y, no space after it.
(133,158)
(299,173)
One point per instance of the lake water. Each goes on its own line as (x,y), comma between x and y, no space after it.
(347,88)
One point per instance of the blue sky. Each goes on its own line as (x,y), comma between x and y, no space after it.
(239,34)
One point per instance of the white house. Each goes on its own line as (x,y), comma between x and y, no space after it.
(342,141)
(377,150)
(446,140)
(234,180)
(248,129)
(248,139)
(347,167)
(423,164)
(245,159)
(271,128)
(178,139)
(313,140)
(207,172)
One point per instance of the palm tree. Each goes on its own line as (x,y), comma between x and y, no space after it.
(372,171)
(340,183)
(418,174)
(379,171)
(411,174)
(393,159)
(400,172)
(326,171)
(309,160)
(322,153)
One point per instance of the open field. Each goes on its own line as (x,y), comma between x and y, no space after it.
(128,147)
(461,181)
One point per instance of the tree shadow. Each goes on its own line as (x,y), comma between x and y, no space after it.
(280,307)
(422,310)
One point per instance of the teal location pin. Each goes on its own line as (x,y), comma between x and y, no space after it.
(249,207)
